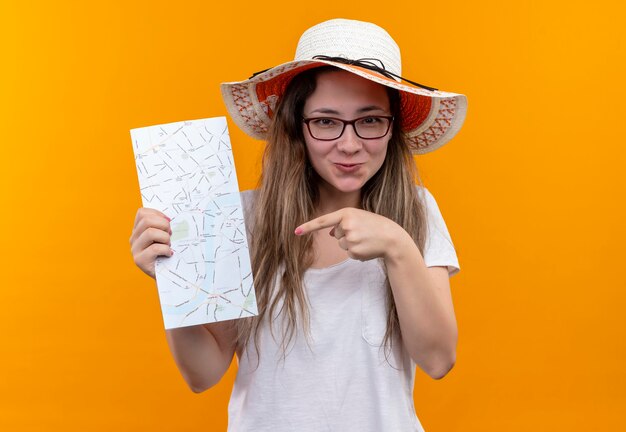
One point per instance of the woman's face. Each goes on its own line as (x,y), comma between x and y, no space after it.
(348,162)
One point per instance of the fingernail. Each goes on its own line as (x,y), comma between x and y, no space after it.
(167,217)
(298,231)
(171,252)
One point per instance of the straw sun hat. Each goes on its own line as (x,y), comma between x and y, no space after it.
(430,117)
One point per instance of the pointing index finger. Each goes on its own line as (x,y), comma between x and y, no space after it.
(324,221)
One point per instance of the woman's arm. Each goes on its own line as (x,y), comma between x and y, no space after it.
(202,353)
(424,304)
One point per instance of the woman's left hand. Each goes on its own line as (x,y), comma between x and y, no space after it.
(364,235)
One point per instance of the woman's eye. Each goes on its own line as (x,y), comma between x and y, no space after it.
(370,120)
(325,122)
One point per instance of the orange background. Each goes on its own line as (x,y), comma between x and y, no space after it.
(532,191)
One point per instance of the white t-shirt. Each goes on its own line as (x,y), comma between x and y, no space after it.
(342,382)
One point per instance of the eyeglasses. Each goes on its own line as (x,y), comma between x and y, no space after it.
(330,128)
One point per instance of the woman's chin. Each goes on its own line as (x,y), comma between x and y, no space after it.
(350,186)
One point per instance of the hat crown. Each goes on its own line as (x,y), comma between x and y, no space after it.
(352,40)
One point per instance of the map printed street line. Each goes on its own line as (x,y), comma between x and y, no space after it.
(186,171)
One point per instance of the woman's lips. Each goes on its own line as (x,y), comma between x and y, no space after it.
(348,168)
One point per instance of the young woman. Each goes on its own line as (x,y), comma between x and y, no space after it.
(351,260)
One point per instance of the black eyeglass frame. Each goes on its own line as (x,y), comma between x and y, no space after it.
(347,122)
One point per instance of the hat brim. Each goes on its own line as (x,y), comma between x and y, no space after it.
(429,118)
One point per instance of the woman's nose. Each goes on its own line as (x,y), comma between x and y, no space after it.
(349,142)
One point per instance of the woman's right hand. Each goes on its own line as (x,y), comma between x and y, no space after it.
(151,237)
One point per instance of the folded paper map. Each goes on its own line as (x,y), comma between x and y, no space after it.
(186,171)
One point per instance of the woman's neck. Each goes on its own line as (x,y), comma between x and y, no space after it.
(331,200)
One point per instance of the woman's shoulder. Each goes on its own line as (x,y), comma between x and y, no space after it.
(439,249)
(247,198)
(424,194)
(429,202)
(247,194)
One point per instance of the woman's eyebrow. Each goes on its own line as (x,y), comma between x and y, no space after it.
(360,110)
(325,111)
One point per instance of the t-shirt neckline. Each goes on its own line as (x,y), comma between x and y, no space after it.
(330,267)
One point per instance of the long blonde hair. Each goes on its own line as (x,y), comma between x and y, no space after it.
(286,197)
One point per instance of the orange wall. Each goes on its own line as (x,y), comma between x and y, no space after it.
(532,191)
